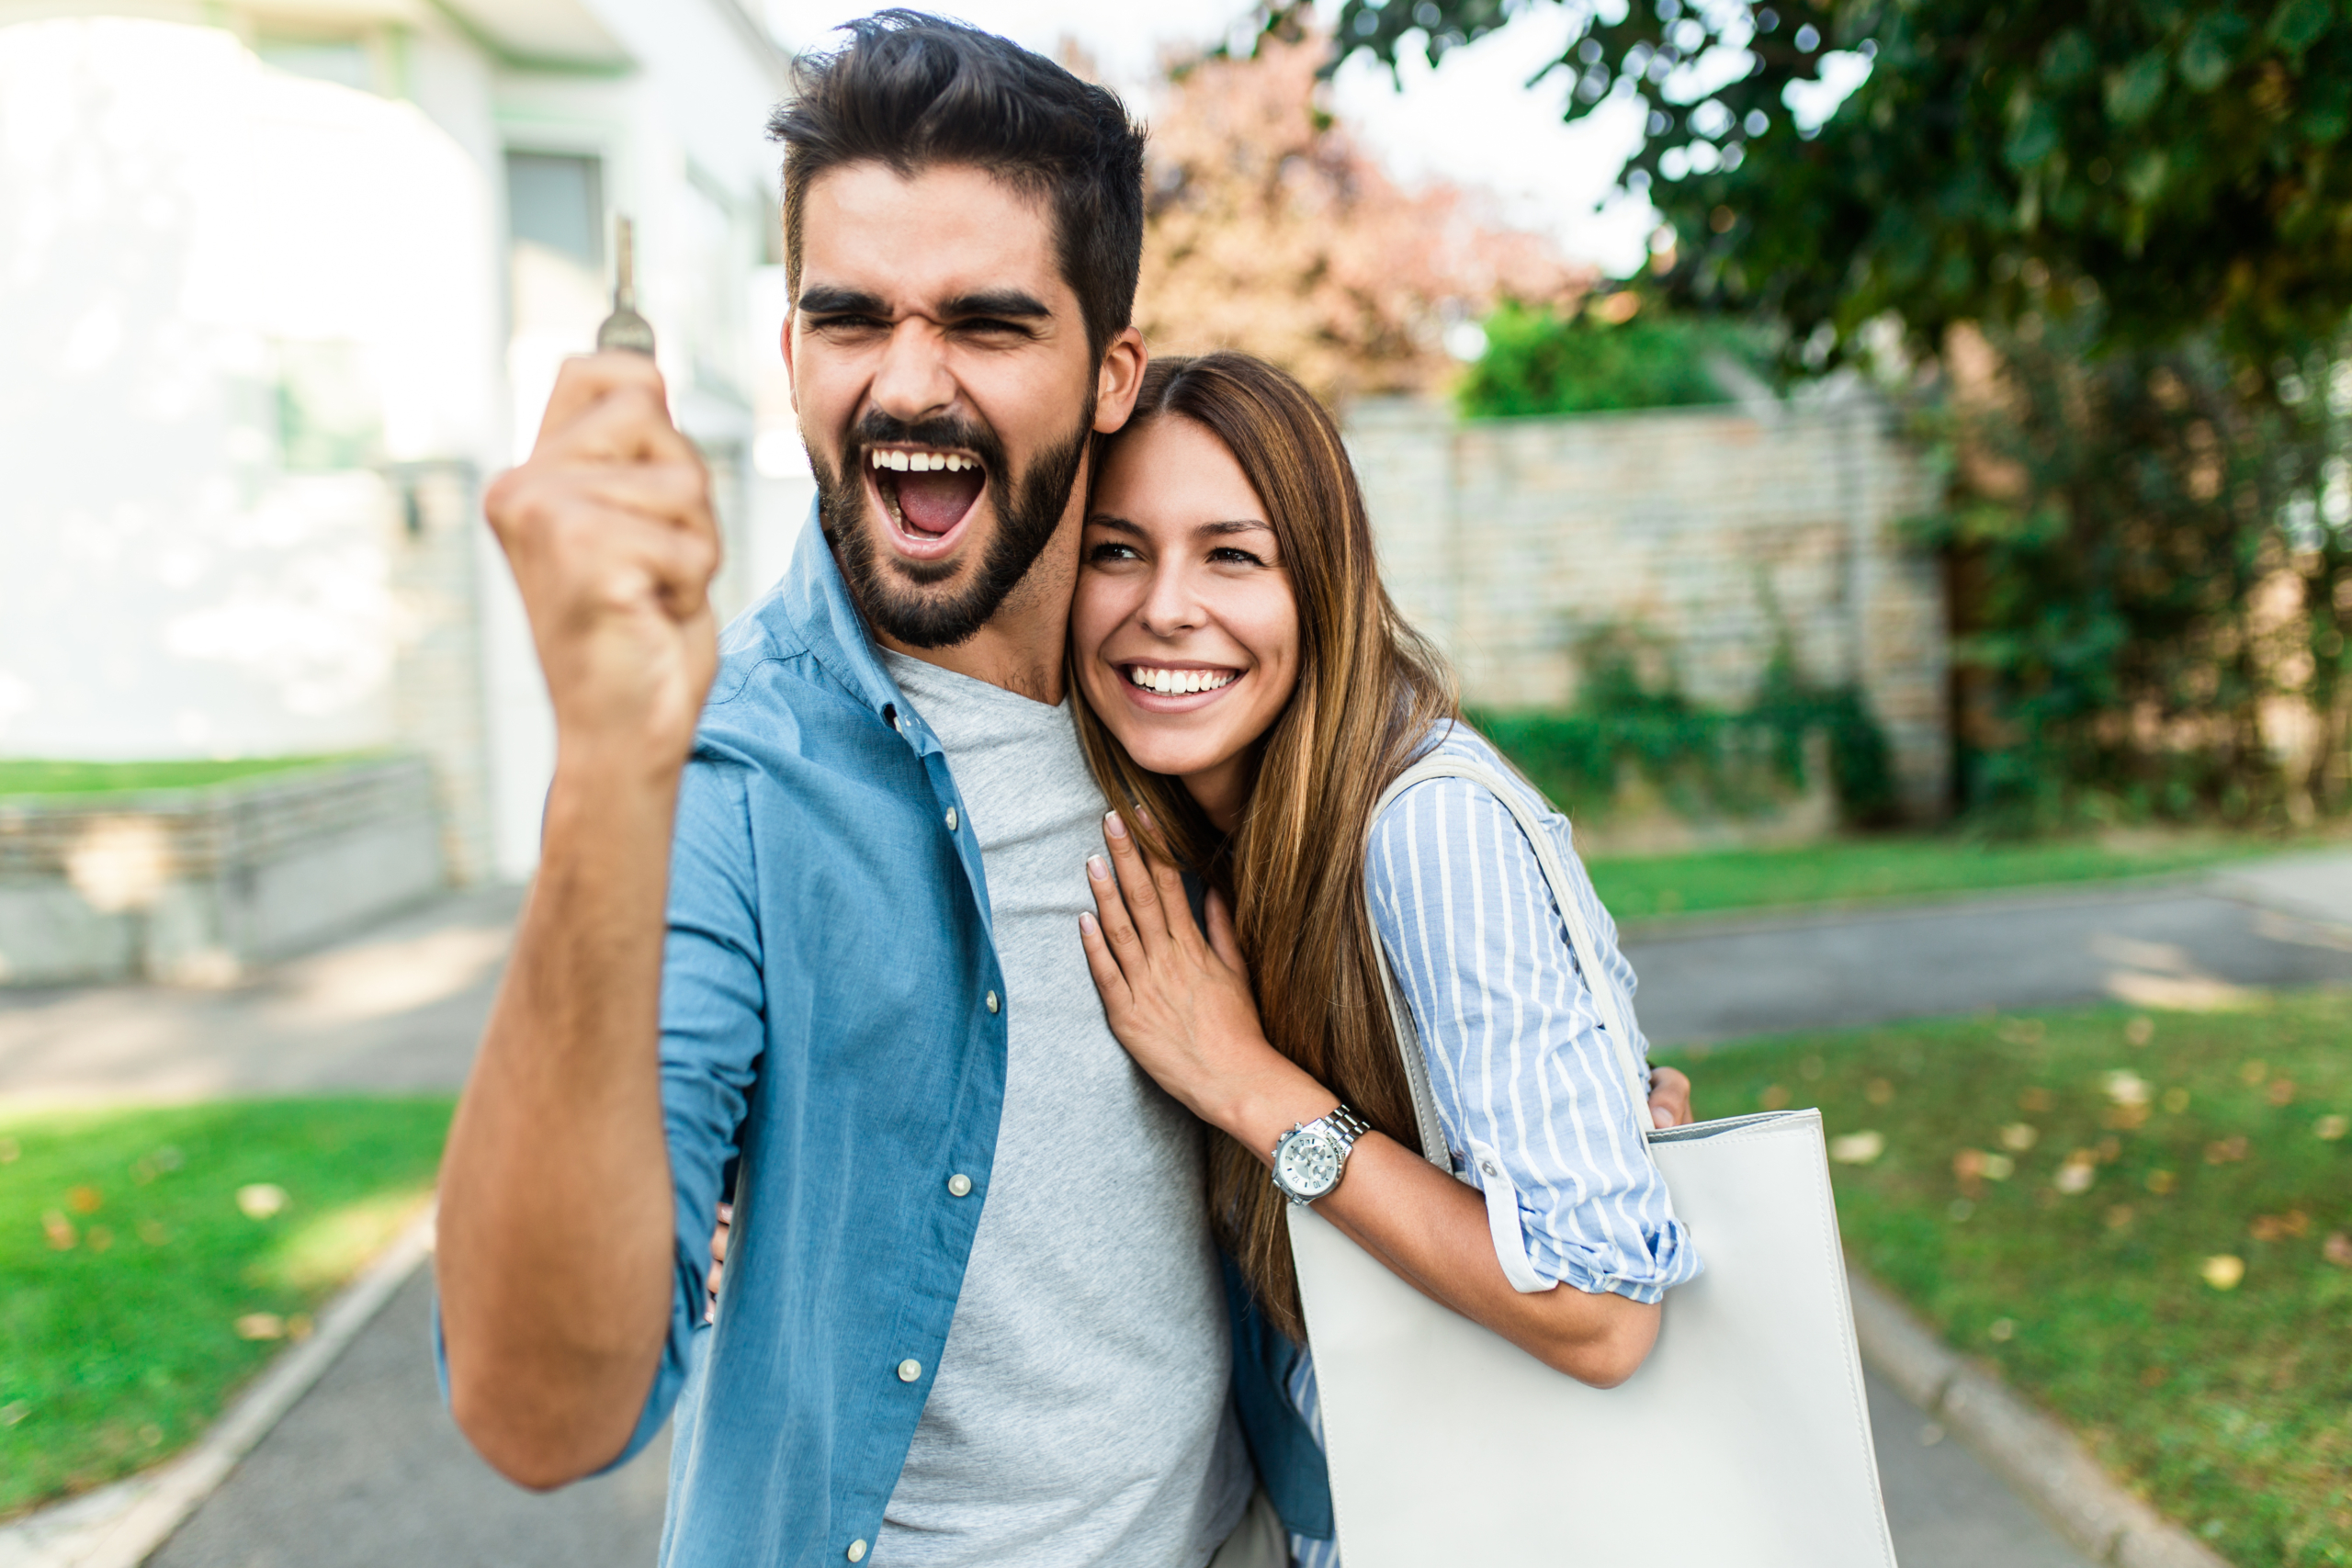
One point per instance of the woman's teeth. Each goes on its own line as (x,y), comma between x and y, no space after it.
(1177,683)
(922,462)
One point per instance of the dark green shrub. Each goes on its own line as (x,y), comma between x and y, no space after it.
(1538,363)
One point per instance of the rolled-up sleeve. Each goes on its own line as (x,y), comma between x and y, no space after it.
(1537,1113)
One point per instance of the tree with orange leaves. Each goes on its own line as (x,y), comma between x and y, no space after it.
(1269,230)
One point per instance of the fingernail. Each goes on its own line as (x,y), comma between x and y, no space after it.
(1113,826)
(1086,922)
(1099,869)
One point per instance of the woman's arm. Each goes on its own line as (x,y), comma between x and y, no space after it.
(1181,1003)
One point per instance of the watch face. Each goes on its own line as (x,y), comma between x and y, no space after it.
(1308,1164)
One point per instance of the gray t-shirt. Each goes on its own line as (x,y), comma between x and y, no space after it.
(1080,1414)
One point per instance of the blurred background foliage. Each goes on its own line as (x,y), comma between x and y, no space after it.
(1540,360)
(2101,255)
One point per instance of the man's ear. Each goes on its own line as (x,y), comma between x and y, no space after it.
(1119,379)
(791,381)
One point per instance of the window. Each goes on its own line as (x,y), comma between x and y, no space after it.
(558,201)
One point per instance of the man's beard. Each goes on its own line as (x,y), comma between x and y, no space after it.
(1029,510)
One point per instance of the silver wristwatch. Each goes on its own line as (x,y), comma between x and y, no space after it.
(1310,1158)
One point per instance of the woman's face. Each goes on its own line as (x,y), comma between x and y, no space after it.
(1184,624)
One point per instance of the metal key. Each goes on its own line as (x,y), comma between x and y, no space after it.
(624,328)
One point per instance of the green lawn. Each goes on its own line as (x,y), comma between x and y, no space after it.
(2145,1224)
(20,776)
(152,1260)
(1894,866)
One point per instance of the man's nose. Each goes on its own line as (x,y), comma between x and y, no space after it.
(912,383)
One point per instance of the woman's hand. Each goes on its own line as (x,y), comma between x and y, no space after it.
(1669,1098)
(1180,1002)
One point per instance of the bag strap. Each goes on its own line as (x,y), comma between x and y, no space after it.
(1613,1013)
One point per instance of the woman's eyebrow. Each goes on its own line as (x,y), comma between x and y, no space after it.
(1237,525)
(1119,525)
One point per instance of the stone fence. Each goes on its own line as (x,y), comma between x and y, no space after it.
(191,887)
(1717,534)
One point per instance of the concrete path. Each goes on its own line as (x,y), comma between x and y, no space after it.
(2173,945)
(395,1010)
(368,1471)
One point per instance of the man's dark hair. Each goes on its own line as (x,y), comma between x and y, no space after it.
(912,91)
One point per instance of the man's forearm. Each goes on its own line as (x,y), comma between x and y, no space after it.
(555,1226)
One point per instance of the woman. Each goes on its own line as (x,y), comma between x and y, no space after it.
(1250,688)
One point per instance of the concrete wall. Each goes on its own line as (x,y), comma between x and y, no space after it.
(191,886)
(1715,531)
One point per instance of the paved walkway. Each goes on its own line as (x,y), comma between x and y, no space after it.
(368,1471)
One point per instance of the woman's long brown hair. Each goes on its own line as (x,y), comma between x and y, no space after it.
(1369,691)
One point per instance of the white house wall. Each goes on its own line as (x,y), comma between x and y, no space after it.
(175,221)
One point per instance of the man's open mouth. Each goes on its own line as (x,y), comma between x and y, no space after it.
(928,493)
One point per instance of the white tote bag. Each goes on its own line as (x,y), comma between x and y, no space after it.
(1742,1442)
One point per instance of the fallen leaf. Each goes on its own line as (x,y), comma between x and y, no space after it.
(2162,1181)
(2075,1175)
(2020,1136)
(2279,1227)
(84,1200)
(260,1200)
(2337,1249)
(2227,1151)
(2332,1127)
(1857,1148)
(2223,1272)
(1774,1098)
(1999,1168)
(2033,1100)
(2119,1216)
(2127,1087)
(260,1326)
(2176,1100)
(2281,1092)
(1879,1091)
(59,1229)
(2252,1072)
(2003,1329)
(299,1326)
(2141,1030)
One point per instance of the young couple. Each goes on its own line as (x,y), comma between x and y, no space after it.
(831,918)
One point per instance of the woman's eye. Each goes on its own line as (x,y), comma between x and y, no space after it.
(1229,556)
(1104,553)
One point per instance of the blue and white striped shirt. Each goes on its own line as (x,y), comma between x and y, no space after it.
(1526,1079)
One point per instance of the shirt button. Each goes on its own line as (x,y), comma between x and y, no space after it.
(951,819)
(857,1552)
(993,1003)
(910,1370)
(959,1186)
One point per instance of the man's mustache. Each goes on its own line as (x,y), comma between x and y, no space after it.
(877,429)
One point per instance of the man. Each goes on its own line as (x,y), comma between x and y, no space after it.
(822,926)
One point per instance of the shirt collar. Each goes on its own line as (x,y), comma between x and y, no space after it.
(816,601)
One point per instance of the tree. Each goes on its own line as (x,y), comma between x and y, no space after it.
(2181,161)
(1268,229)
(2146,206)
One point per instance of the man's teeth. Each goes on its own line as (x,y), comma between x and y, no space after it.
(1177,683)
(921,462)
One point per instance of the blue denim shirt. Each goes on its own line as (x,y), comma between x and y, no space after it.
(825,1020)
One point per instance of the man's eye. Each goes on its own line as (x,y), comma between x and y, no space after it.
(848,323)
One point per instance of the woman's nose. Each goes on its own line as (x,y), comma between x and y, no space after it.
(1173,604)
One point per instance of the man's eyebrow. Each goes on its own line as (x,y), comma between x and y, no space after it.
(1012,304)
(825,299)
